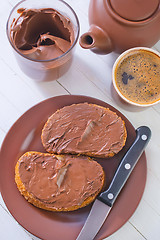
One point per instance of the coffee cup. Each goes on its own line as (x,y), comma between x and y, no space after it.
(136,76)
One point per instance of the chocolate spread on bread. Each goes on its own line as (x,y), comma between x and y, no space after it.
(58,183)
(42,34)
(85,129)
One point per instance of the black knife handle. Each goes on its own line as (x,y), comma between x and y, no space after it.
(128,162)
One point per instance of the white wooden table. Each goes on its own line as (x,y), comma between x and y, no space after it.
(89,75)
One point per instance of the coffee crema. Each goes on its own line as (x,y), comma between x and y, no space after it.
(137,76)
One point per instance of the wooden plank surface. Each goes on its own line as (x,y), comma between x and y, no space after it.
(89,75)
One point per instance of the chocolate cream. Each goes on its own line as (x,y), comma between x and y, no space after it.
(84,129)
(42,34)
(60,182)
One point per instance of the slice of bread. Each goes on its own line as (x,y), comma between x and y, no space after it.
(85,129)
(58,182)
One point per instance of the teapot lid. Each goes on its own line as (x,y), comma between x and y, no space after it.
(134,10)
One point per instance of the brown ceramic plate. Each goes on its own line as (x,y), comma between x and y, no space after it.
(25,136)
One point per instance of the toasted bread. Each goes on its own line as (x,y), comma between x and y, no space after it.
(58,182)
(85,129)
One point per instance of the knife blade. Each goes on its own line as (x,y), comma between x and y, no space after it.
(104,202)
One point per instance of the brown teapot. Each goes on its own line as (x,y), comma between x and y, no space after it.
(117,25)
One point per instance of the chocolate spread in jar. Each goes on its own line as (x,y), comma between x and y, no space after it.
(42,34)
(60,183)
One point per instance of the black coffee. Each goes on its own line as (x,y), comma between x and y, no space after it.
(137,77)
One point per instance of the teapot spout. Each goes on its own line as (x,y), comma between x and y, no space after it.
(96,40)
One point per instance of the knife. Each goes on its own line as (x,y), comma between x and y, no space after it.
(104,202)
